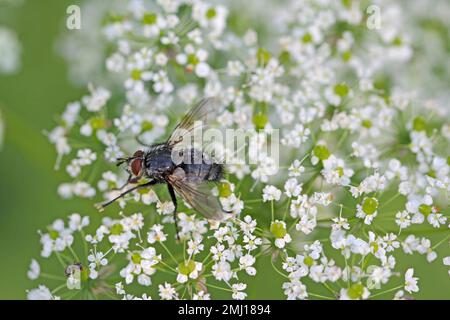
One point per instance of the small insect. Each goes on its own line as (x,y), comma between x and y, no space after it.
(190,178)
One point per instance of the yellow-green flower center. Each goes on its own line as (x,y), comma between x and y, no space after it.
(136,258)
(116,229)
(370,205)
(186,267)
(211,13)
(136,74)
(321,152)
(225,190)
(425,209)
(260,120)
(419,124)
(356,291)
(278,229)
(146,126)
(149,18)
(341,89)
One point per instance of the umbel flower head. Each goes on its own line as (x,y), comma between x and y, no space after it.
(363,179)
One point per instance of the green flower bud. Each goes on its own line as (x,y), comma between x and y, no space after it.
(431,173)
(146,126)
(375,246)
(211,13)
(186,267)
(346,56)
(341,89)
(263,56)
(307,38)
(116,229)
(308,261)
(425,209)
(366,123)
(397,41)
(321,152)
(192,59)
(97,123)
(347,3)
(225,190)
(356,291)
(54,234)
(419,124)
(285,57)
(278,229)
(136,258)
(84,274)
(150,18)
(370,205)
(136,74)
(260,120)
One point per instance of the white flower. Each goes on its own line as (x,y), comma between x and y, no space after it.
(167,292)
(355,292)
(34,271)
(86,157)
(232,204)
(156,234)
(403,219)
(334,171)
(237,291)
(234,68)
(140,265)
(98,98)
(188,270)
(246,262)
(76,222)
(296,169)
(410,281)
(367,210)
(295,290)
(292,188)
(41,293)
(164,208)
(278,229)
(201,295)
(202,70)
(271,193)
(222,271)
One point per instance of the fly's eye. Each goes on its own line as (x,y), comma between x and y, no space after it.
(136,166)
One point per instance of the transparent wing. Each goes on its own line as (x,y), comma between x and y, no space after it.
(199,116)
(199,197)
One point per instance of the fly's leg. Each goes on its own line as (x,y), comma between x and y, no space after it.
(102,206)
(174,201)
(130,180)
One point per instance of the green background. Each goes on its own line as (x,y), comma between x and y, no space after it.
(28,200)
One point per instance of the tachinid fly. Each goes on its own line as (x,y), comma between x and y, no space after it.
(190,177)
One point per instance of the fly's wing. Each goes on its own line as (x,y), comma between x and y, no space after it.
(199,196)
(199,116)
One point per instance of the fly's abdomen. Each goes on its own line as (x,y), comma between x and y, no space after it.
(203,172)
(200,168)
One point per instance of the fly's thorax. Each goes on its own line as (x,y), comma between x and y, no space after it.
(158,162)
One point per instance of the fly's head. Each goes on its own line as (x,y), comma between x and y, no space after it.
(135,164)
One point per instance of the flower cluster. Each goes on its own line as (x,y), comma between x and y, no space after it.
(364,174)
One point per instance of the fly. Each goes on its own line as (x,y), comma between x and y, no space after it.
(189,179)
